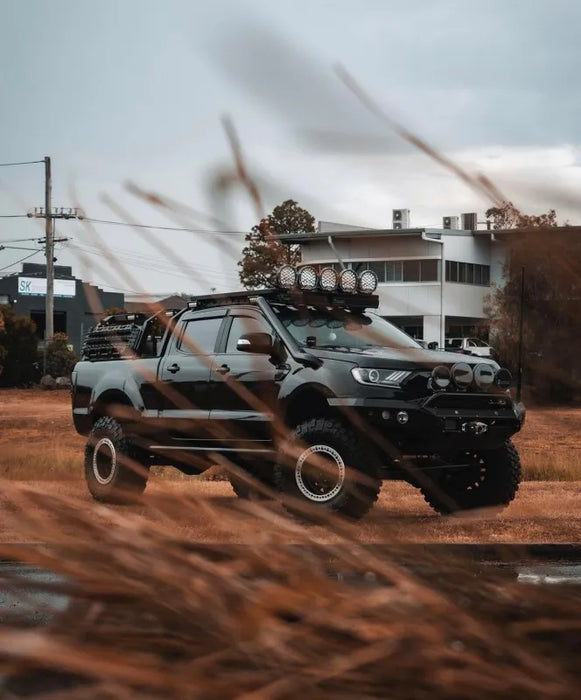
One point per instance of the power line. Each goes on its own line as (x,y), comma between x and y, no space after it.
(21,260)
(110,222)
(165,228)
(22,162)
(21,240)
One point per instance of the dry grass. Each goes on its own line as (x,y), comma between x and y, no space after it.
(542,512)
(150,617)
(38,439)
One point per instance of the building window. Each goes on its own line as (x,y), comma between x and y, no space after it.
(429,270)
(395,270)
(468,273)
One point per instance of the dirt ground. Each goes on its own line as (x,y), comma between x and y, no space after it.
(38,444)
(542,512)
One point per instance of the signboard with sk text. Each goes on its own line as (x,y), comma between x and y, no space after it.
(36,287)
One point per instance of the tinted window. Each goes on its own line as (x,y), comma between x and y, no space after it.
(411,270)
(245,324)
(429,270)
(199,336)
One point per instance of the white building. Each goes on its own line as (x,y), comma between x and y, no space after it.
(414,293)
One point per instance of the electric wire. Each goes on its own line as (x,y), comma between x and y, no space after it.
(21,162)
(131,256)
(14,216)
(16,262)
(159,268)
(165,228)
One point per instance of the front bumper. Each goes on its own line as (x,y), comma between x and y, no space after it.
(443,423)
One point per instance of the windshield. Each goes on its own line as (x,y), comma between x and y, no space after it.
(342,329)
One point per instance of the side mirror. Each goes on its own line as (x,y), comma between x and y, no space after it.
(260,343)
(433,345)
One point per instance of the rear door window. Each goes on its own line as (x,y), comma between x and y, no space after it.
(199,336)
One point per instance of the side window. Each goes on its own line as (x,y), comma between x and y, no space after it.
(199,336)
(245,324)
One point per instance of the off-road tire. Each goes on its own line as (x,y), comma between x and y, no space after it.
(120,475)
(262,472)
(360,486)
(495,487)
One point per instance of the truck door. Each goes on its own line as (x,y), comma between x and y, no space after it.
(184,374)
(245,387)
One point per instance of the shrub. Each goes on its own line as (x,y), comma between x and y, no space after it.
(60,360)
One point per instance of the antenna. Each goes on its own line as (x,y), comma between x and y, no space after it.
(520,335)
(334,249)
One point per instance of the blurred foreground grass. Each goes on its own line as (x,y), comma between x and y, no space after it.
(152,615)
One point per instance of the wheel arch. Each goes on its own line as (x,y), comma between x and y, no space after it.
(306,402)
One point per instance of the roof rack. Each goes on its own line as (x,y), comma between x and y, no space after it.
(294,297)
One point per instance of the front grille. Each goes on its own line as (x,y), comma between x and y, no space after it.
(474,402)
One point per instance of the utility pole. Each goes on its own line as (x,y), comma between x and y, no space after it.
(49,251)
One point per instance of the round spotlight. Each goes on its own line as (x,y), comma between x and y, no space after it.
(484,376)
(373,375)
(328,279)
(441,377)
(503,378)
(367,282)
(286,277)
(307,278)
(402,417)
(462,375)
(348,281)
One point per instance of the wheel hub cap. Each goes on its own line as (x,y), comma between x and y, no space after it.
(320,473)
(104,461)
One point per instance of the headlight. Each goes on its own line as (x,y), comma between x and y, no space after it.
(379,377)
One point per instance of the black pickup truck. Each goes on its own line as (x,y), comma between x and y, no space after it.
(304,388)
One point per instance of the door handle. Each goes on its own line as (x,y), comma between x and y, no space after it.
(223,369)
(174,368)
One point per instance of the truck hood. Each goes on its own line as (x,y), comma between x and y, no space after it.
(398,358)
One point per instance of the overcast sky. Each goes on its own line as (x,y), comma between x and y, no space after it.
(135,90)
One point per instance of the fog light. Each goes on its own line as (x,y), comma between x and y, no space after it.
(441,377)
(402,417)
(483,376)
(385,415)
(462,375)
(503,378)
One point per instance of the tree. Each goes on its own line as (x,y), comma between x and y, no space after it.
(264,252)
(552,302)
(18,348)
(60,359)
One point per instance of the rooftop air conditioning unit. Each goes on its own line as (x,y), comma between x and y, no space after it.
(401,218)
(469,222)
(451,222)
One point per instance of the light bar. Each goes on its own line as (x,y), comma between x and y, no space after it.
(328,279)
(307,278)
(348,281)
(367,282)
